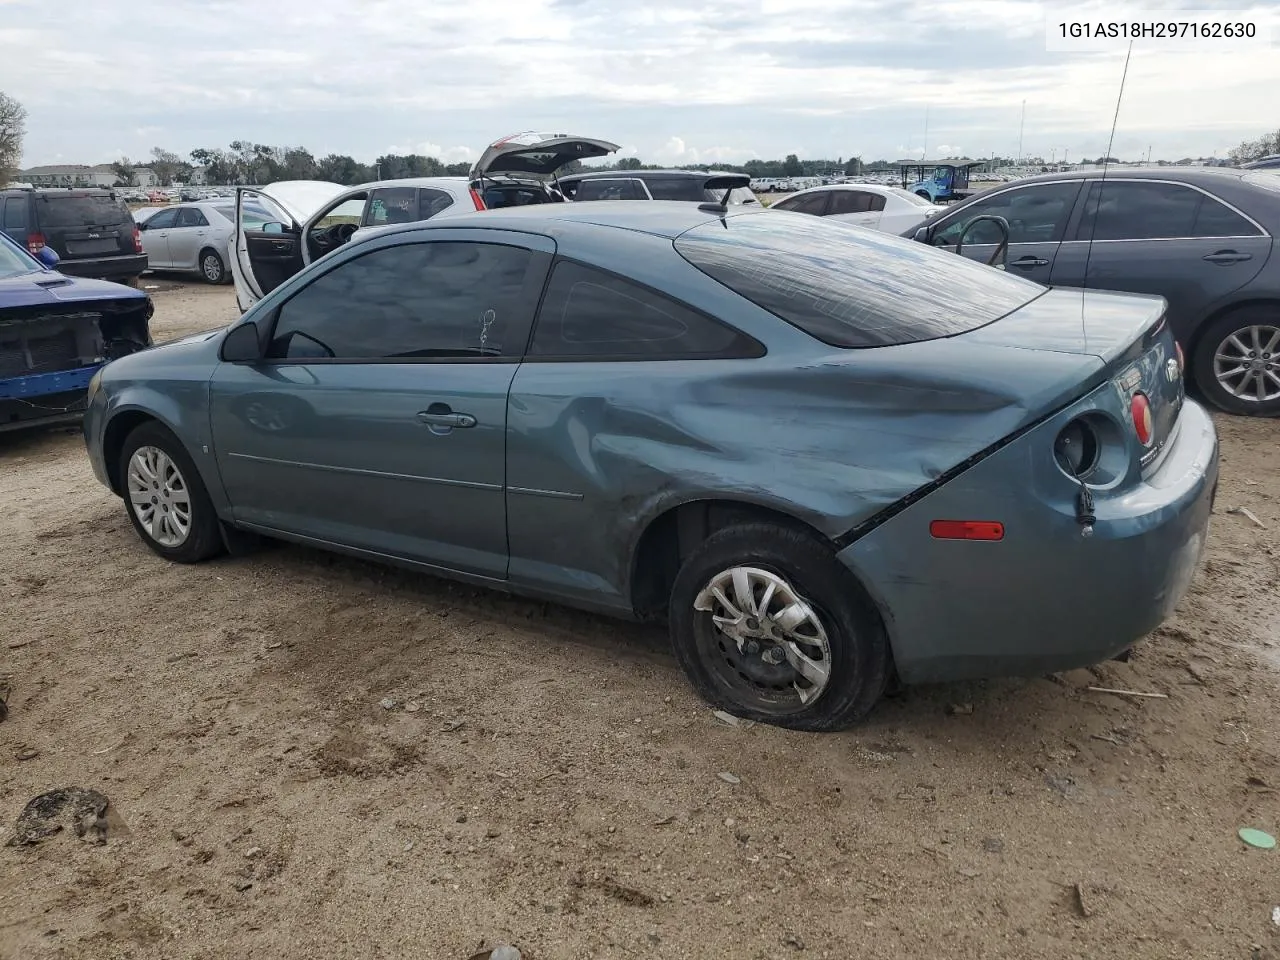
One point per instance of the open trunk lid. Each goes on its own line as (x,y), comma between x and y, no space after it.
(540,153)
(81,224)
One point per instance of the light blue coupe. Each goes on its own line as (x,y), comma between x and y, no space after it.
(827,457)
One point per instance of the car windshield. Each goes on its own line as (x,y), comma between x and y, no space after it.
(14,261)
(910,197)
(81,211)
(850,287)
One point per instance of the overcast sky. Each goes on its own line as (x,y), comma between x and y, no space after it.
(674,81)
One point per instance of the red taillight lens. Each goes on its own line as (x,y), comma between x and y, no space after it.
(137,239)
(966,530)
(35,242)
(475,198)
(1140,407)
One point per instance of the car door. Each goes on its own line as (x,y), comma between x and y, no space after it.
(1165,238)
(812,203)
(377,419)
(856,206)
(267,252)
(13,219)
(187,237)
(155,238)
(1037,214)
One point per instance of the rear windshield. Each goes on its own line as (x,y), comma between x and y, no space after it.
(849,287)
(98,210)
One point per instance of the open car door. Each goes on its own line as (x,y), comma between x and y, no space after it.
(268,242)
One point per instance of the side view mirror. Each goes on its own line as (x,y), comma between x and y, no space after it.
(242,345)
(921,235)
(48,256)
(273,226)
(140,224)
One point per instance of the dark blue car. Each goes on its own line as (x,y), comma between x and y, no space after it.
(56,332)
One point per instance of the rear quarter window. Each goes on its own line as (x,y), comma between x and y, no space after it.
(849,287)
(55,211)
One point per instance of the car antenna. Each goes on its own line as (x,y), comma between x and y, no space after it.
(1106,165)
(1085,515)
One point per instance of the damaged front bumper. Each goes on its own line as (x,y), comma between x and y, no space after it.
(48,356)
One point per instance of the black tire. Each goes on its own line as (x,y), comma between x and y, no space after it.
(213,269)
(203,538)
(1217,336)
(860,661)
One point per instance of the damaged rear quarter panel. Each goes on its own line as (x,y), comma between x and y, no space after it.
(597,450)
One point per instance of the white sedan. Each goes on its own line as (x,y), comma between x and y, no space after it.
(890,209)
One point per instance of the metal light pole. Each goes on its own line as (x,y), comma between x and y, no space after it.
(1021,125)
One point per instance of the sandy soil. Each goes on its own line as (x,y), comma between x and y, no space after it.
(545,778)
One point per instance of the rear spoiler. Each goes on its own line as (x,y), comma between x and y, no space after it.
(728,182)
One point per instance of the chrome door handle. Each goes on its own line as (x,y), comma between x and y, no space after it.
(1028,262)
(446,419)
(1227,256)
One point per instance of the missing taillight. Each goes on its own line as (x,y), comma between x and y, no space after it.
(1076,449)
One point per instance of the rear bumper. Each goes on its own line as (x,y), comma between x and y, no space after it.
(104,268)
(1045,598)
(44,398)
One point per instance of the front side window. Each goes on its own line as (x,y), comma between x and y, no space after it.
(431,202)
(1035,214)
(349,211)
(855,201)
(163,220)
(589,313)
(414,301)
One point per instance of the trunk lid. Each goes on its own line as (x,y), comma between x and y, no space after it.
(80,224)
(540,153)
(1128,332)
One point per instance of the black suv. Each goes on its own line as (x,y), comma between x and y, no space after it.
(91,230)
(657,185)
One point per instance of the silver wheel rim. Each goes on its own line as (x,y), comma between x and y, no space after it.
(159,496)
(212,268)
(765,617)
(1247,363)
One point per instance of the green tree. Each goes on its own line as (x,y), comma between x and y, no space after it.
(792,167)
(1251,150)
(126,173)
(168,166)
(630,163)
(13,127)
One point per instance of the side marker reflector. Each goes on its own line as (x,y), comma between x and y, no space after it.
(966,530)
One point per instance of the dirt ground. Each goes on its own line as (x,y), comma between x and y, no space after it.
(308,756)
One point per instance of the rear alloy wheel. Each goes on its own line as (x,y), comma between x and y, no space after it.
(771,626)
(1237,363)
(165,497)
(212,268)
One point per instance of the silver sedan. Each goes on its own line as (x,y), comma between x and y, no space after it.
(188,237)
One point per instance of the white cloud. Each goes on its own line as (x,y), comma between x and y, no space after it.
(677,82)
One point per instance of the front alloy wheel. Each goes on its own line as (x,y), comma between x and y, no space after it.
(159,496)
(166,499)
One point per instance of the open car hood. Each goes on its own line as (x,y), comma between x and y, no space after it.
(300,198)
(543,153)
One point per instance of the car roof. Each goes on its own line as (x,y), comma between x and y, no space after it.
(661,218)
